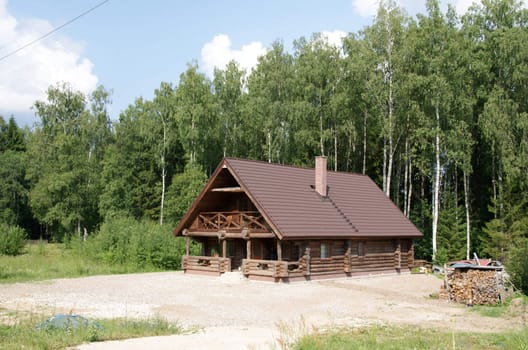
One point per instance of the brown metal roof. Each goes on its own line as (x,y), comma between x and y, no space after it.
(355,206)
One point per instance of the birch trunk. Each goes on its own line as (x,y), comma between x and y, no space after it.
(385,165)
(321,139)
(388,75)
(409,194)
(436,187)
(364,143)
(406,178)
(193,147)
(391,141)
(335,150)
(163,169)
(468,223)
(269,146)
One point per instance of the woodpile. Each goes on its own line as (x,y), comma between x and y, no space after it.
(473,286)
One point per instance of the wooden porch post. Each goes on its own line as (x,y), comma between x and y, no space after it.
(187,245)
(398,255)
(224,248)
(348,255)
(307,254)
(279,250)
(248,249)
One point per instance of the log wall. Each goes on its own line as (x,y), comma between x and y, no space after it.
(302,259)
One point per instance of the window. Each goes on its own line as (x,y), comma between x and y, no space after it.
(324,251)
(361,249)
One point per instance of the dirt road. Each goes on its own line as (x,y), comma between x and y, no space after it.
(234,313)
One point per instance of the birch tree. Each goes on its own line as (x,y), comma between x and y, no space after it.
(384,38)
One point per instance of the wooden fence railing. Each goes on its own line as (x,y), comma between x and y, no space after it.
(270,268)
(305,266)
(206,263)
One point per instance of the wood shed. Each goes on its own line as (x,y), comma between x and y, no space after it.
(286,223)
(474,283)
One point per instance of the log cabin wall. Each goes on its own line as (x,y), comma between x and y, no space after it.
(359,256)
(379,256)
(341,257)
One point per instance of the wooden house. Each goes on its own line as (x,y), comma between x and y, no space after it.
(286,223)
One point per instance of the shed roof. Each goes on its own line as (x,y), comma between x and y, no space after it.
(355,207)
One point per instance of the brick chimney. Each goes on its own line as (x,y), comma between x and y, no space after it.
(320,176)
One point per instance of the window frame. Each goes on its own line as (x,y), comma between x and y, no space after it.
(327,250)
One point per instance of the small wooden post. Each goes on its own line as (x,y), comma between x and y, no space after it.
(187,245)
(410,255)
(307,254)
(348,255)
(224,248)
(279,250)
(248,249)
(398,255)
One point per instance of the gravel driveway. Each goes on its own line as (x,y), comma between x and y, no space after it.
(234,313)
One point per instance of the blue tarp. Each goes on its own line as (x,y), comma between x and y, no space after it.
(62,321)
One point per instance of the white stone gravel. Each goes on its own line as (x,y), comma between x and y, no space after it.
(242,312)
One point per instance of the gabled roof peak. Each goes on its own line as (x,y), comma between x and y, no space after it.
(284,195)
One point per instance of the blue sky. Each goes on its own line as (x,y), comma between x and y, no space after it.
(132,46)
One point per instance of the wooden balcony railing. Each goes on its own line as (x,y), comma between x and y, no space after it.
(230,221)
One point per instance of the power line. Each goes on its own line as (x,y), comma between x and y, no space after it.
(54,30)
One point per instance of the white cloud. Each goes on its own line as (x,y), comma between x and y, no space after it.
(462,6)
(334,38)
(369,8)
(218,53)
(365,8)
(26,75)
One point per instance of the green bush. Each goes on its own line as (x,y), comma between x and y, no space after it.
(140,244)
(517,266)
(12,240)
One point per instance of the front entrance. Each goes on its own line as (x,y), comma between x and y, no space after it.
(236,249)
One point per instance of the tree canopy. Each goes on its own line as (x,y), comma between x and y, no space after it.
(433,108)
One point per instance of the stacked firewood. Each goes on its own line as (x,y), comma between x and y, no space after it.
(473,286)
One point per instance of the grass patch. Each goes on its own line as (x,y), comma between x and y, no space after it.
(507,308)
(379,337)
(23,334)
(43,261)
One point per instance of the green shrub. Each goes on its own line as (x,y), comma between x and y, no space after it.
(517,266)
(12,240)
(139,244)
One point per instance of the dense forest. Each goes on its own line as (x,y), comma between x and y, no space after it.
(433,108)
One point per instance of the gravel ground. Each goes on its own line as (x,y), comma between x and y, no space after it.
(234,313)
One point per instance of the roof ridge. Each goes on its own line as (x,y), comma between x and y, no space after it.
(263,162)
(347,220)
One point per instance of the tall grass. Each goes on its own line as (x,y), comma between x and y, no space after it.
(395,338)
(46,261)
(120,246)
(24,334)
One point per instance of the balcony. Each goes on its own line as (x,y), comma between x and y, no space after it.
(230,222)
